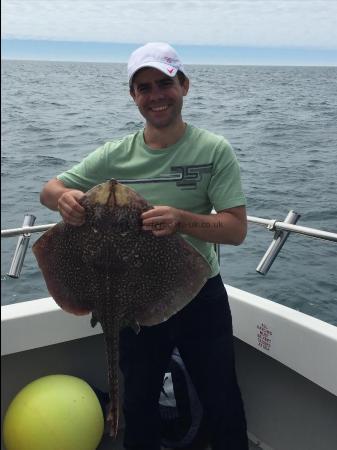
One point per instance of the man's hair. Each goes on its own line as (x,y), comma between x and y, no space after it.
(181,77)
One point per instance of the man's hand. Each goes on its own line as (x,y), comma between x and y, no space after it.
(70,209)
(228,226)
(161,220)
(57,197)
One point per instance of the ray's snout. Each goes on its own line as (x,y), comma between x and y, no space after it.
(111,194)
(103,194)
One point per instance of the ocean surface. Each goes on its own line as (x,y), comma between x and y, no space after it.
(281,121)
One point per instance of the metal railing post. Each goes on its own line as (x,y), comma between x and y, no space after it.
(21,248)
(277,243)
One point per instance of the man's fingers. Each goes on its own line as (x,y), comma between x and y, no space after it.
(162,220)
(75,198)
(71,221)
(68,201)
(160,228)
(154,227)
(155,211)
(160,233)
(154,220)
(78,208)
(71,211)
(71,217)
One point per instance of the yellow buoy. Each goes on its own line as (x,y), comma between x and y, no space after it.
(56,412)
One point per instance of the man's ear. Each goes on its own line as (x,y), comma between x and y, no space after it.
(132,93)
(186,86)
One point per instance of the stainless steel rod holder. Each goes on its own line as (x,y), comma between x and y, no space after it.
(21,248)
(277,243)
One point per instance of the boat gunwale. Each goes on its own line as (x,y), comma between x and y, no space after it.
(301,342)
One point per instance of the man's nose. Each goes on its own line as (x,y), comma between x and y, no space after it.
(156,92)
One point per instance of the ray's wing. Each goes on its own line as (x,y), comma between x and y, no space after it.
(73,260)
(180,280)
(163,275)
(61,254)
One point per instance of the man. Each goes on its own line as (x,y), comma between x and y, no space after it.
(185,172)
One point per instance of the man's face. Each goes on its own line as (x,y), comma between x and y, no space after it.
(159,97)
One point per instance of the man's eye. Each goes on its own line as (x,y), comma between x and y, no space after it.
(166,83)
(142,89)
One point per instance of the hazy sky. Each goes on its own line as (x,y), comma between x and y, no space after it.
(304,24)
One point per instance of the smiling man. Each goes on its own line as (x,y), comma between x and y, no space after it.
(159,98)
(185,172)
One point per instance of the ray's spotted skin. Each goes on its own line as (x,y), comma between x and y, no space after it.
(123,275)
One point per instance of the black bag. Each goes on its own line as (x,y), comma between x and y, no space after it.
(180,409)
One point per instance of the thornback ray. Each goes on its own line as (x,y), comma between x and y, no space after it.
(123,275)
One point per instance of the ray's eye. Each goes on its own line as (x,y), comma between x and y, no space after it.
(123,225)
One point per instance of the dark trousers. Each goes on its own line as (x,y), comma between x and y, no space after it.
(202,332)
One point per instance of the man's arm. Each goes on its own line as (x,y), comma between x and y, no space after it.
(226,227)
(57,197)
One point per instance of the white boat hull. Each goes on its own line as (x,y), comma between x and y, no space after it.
(286,363)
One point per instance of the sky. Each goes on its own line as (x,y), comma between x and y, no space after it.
(281,32)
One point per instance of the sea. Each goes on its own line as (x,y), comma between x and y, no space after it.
(281,122)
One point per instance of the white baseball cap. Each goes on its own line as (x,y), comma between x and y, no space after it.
(158,55)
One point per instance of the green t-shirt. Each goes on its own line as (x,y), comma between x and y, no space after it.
(198,173)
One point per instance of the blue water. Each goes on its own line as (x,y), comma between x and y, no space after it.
(281,121)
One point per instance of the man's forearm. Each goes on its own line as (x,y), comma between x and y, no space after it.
(51,193)
(223,228)
(57,197)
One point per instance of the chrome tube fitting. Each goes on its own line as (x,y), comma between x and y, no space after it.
(277,243)
(21,248)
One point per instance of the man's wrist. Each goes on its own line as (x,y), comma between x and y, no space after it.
(186,221)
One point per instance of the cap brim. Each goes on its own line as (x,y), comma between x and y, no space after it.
(167,69)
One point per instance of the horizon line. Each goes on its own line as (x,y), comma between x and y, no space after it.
(187,64)
(105,52)
(177,44)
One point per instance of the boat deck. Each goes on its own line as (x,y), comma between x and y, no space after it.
(109,444)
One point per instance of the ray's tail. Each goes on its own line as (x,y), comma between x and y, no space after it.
(112,350)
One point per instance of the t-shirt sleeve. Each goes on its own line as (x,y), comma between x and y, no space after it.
(225,188)
(88,173)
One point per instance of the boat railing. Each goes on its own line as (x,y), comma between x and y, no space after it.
(281,230)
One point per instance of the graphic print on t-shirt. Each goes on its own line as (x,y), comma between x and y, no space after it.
(185,177)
